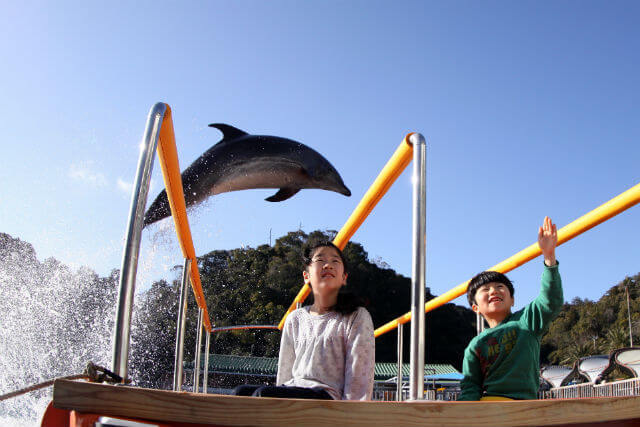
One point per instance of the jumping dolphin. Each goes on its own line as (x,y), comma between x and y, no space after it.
(241,161)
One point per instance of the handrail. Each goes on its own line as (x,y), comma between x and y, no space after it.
(133,236)
(387,176)
(168,157)
(598,215)
(159,136)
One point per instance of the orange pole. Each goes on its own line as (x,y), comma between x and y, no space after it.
(168,157)
(600,214)
(391,171)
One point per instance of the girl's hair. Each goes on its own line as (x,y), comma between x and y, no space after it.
(347,301)
(484,278)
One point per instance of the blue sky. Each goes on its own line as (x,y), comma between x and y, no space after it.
(529,109)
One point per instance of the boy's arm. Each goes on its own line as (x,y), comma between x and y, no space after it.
(471,384)
(287,354)
(360,362)
(539,313)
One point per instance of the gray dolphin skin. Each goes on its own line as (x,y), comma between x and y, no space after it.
(241,161)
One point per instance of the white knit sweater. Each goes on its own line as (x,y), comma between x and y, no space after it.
(331,351)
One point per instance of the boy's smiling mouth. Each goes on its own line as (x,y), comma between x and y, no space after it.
(495,299)
(327,274)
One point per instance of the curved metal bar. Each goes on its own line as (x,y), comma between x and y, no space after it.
(416,379)
(180,327)
(129,268)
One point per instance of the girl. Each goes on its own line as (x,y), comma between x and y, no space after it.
(327,350)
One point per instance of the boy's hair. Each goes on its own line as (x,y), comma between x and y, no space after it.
(484,278)
(347,301)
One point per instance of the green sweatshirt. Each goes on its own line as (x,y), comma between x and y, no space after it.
(505,360)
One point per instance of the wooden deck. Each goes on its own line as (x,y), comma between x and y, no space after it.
(218,410)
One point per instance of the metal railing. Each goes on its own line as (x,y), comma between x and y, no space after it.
(577,391)
(159,135)
(388,392)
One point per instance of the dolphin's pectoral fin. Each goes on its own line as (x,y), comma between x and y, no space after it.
(228,131)
(282,194)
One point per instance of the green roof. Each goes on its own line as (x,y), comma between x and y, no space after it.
(251,365)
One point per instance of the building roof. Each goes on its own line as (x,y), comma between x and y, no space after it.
(251,365)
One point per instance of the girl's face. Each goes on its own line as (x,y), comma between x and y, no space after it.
(326,273)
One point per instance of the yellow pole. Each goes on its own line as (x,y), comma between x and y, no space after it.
(600,214)
(168,157)
(387,176)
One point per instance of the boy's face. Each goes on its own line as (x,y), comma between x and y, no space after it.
(493,299)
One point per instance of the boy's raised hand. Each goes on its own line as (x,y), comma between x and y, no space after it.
(547,240)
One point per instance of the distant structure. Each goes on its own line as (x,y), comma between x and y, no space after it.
(593,369)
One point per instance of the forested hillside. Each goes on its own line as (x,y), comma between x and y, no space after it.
(586,327)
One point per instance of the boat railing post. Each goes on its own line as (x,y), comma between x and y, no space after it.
(400,377)
(180,329)
(122,329)
(196,367)
(479,324)
(205,376)
(416,380)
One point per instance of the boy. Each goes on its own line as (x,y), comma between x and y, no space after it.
(503,362)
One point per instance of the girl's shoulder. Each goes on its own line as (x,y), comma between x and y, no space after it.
(359,315)
(361,312)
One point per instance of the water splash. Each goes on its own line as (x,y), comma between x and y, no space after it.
(54,321)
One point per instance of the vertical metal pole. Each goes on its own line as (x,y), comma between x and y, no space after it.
(629,317)
(180,326)
(122,328)
(479,324)
(400,376)
(196,368)
(416,380)
(205,377)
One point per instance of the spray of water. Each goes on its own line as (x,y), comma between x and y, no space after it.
(54,320)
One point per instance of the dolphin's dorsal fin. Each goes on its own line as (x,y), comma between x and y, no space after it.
(228,131)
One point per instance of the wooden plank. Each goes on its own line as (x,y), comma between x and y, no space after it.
(222,410)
